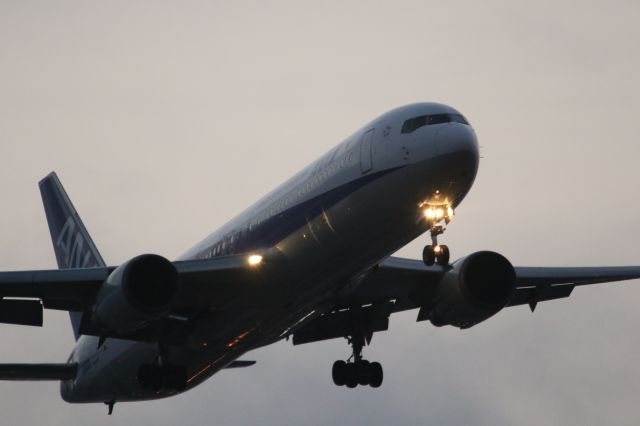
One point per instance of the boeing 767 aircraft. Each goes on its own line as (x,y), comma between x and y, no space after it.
(310,260)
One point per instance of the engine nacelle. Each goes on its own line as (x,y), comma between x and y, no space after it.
(136,293)
(477,287)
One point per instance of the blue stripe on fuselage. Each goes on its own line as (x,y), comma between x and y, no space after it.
(276,228)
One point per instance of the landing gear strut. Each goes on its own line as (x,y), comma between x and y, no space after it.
(356,370)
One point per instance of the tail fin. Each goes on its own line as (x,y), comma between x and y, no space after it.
(71,241)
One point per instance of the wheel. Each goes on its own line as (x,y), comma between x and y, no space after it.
(428,255)
(364,372)
(351,376)
(338,373)
(443,257)
(375,372)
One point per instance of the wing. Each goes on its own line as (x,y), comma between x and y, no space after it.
(393,286)
(205,285)
(536,284)
(65,289)
(402,284)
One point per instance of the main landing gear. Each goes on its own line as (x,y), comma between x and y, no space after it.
(356,370)
(435,215)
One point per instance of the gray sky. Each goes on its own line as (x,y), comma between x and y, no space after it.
(165,119)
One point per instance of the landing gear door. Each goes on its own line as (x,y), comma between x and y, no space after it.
(366,151)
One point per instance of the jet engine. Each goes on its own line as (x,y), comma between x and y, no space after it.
(477,287)
(136,293)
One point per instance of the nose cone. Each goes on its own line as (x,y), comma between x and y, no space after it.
(456,145)
(457,138)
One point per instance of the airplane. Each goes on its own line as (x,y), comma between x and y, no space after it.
(310,261)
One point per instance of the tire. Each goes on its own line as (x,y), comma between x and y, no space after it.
(443,258)
(428,255)
(351,376)
(338,373)
(375,371)
(363,369)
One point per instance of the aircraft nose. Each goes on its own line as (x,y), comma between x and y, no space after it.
(457,138)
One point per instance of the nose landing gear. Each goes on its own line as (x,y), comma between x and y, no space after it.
(435,253)
(435,215)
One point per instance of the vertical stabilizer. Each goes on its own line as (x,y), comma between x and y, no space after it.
(72,244)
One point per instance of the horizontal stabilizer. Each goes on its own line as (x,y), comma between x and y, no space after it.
(240,364)
(38,371)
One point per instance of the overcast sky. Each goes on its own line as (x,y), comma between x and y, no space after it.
(165,119)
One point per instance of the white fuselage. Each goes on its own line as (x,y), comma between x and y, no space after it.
(335,219)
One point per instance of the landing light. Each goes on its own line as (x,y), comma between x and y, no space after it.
(436,214)
(254,260)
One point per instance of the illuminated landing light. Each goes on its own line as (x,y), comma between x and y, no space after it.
(254,260)
(436,214)
(437,249)
(429,213)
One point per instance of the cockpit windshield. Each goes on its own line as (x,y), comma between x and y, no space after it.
(415,123)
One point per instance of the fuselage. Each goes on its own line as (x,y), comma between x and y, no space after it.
(331,222)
